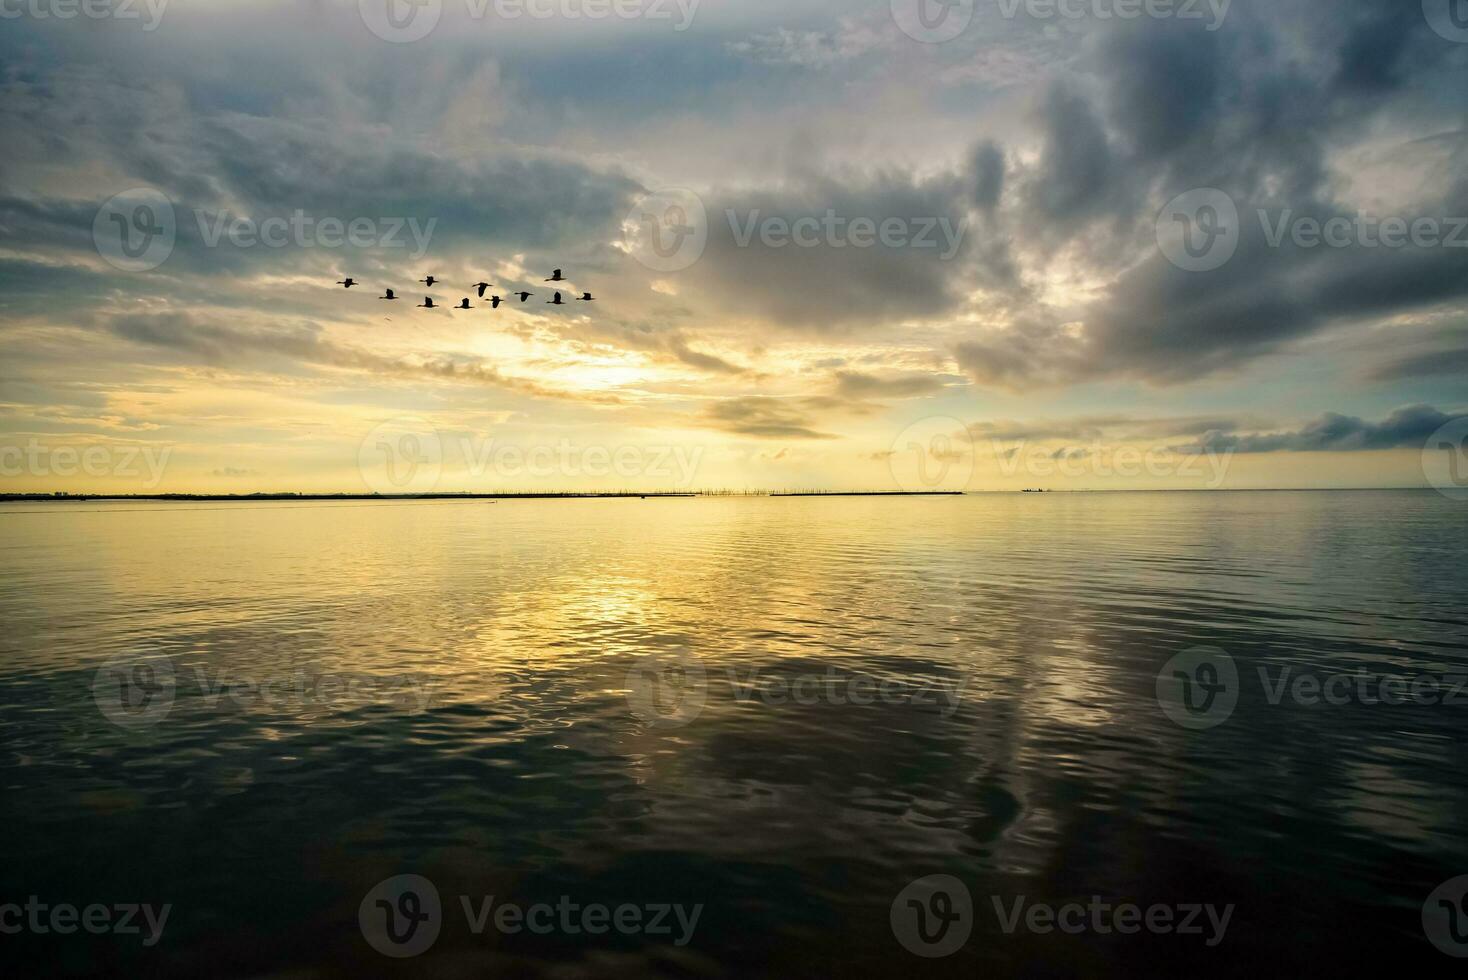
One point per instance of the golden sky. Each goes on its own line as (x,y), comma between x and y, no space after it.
(827,250)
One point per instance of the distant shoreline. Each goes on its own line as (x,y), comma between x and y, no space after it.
(265,497)
(651,495)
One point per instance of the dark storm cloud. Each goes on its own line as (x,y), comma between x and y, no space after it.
(1256,110)
(1161,86)
(1425,365)
(838,276)
(1372,52)
(334,123)
(1077,175)
(987,164)
(256,144)
(1407,428)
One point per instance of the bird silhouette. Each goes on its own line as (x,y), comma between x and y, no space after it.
(427,304)
(556,277)
(523,294)
(428,282)
(482,286)
(464,305)
(390,295)
(494,302)
(585,298)
(555,302)
(349,282)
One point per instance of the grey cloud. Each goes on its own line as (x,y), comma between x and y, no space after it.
(832,288)
(336,124)
(765,417)
(680,349)
(1095,427)
(1407,427)
(1424,365)
(294,348)
(1075,177)
(1257,110)
(987,164)
(856,384)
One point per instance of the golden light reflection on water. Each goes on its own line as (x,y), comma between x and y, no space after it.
(1034,626)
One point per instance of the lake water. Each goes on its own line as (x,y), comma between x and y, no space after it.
(774,714)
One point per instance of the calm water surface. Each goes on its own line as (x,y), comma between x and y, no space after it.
(653,702)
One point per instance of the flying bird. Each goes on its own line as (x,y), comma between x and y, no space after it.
(464,305)
(428,282)
(523,294)
(349,282)
(482,286)
(427,304)
(555,302)
(390,295)
(556,277)
(585,298)
(494,302)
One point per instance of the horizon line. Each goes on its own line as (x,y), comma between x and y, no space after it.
(289,495)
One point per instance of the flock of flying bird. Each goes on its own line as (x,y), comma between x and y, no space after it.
(494,301)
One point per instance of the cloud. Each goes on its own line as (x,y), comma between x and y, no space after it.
(1408,427)
(813,49)
(857,384)
(1076,175)
(839,279)
(1152,111)
(765,417)
(1425,365)
(1092,428)
(679,347)
(529,146)
(290,348)
(988,166)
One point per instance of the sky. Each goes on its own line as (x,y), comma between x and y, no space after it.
(832,244)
